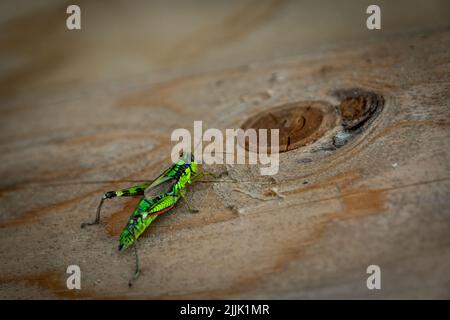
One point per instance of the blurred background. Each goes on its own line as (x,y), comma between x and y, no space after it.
(126,38)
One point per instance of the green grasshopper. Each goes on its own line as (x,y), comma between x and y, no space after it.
(158,197)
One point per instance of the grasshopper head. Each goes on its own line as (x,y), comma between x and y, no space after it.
(188,157)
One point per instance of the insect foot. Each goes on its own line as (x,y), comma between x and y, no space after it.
(132,280)
(107,195)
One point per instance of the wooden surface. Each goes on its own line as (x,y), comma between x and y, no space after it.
(382,198)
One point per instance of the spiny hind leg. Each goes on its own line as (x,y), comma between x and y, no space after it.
(190,207)
(137,190)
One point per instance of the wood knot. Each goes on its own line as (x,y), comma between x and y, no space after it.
(357,106)
(299,123)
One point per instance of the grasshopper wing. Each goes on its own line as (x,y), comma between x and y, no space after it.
(161,185)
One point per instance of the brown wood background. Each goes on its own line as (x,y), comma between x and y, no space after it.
(88,111)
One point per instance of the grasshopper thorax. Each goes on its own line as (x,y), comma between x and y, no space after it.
(188,158)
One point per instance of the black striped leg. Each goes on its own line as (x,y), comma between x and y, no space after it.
(128,192)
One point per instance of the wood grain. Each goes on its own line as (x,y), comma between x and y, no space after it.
(382,198)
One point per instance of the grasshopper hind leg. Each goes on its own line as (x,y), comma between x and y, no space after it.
(137,190)
(108,195)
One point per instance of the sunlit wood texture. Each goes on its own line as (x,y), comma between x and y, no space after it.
(382,198)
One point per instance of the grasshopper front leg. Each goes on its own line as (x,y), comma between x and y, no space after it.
(137,190)
(194,179)
(191,209)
